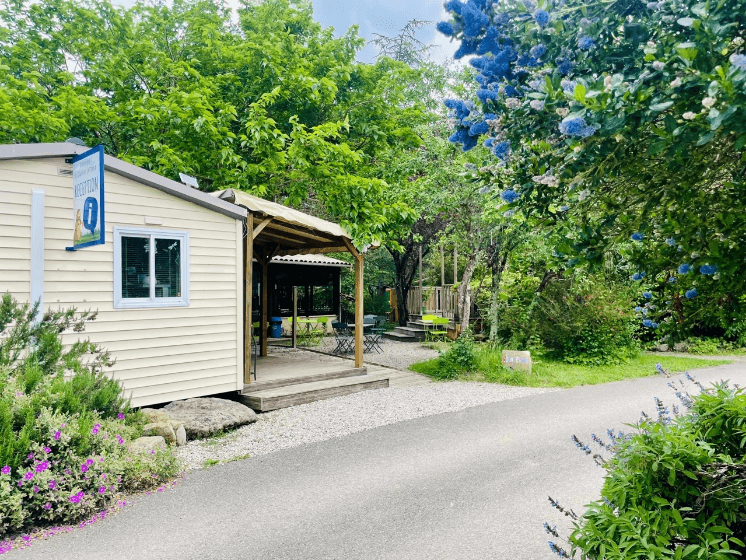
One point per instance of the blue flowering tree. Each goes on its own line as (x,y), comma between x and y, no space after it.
(625,118)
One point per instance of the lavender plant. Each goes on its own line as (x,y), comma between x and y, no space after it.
(675,487)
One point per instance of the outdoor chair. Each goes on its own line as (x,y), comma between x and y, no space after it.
(380,328)
(371,340)
(428,320)
(439,332)
(319,330)
(344,342)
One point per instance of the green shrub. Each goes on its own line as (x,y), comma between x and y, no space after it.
(459,358)
(589,323)
(64,425)
(675,488)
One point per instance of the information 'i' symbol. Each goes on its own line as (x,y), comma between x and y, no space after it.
(90,213)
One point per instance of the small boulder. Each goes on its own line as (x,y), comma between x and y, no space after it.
(203,417)
(154,415)
(181,437)
(162,429)
(148,444)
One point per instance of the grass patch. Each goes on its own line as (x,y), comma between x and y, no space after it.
(552,373)
(209,463)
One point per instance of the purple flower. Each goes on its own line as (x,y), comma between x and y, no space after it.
(83,467)
(101,489)
(120,439)
(41,467)
(36,489)
(76,498)
(89,462)
(120,416)
(47,506)
(57,435)
(52,484)
(30,456)
(46,449)
(94,431)
(5,470)
(103,476)
(29,475)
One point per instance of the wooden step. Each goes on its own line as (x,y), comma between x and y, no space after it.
(332,372)
(292,395)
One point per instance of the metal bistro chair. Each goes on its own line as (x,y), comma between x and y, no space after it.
(438,333)
(319,330)
(380,328)
(428,320)
(371,339)
(344,341)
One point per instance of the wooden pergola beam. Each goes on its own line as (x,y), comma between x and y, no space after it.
(258,229)
(312,251)
(317,236)
(358,302)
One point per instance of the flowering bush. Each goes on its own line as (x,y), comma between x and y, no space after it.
(63,441)
(674,488)
(642,126)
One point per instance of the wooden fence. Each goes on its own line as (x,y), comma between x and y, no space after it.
(440,300)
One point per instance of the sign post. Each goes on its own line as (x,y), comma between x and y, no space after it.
(88,199)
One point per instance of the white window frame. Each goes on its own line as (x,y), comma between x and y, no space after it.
(152,301)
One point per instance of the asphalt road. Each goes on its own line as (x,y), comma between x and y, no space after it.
(466,485)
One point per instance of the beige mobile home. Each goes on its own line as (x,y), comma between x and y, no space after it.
(167,281)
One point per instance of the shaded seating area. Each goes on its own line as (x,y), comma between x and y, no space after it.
(272,230)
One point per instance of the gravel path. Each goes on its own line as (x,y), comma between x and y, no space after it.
(399,355)
(341,416)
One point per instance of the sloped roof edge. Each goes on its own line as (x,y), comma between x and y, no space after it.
(316,260)
(128,170)
(284,213)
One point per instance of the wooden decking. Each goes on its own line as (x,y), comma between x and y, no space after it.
(292,377)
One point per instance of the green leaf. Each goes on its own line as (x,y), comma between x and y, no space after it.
(687,51)
(580,93)
(661,106)
(685,21)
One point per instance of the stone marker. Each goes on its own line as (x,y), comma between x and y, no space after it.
(181,438)
(203,417)
(517,360)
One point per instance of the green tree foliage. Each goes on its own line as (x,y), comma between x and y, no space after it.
(274,104)
(629,117)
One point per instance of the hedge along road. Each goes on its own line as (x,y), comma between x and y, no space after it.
(465,485)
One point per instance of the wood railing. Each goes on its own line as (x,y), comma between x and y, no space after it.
(440,300)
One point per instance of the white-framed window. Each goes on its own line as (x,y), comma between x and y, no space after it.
(151,268)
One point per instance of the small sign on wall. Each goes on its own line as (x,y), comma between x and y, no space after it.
(88,199)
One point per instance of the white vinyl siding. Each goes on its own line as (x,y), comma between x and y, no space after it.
(162,353)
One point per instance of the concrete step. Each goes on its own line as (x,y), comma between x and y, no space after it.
(416,334)
(331,372)
(292,395)
(401,337)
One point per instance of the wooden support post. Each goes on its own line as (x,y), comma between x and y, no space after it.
(422,302)
(248,293)
(455,265)
(265,312)
(358,310)
(442,266)
(295,316)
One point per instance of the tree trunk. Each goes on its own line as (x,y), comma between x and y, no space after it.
(498,266)
(463,295)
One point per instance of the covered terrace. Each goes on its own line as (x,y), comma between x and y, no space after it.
(274,230)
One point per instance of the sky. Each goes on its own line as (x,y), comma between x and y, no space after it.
(385,17)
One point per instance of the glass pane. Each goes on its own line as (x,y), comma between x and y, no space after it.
(135,267)
(323,300)
(167,268)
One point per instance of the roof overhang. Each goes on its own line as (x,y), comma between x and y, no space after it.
(114,165)
(284,231)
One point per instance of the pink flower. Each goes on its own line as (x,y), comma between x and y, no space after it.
(29,475)
(41,467)
(102,489)
(47,505)
(75,499)
(120,439)
(103,476)
(52,484)
(83,467)
(89,462)
(57,435)
(5,470)
(30,456)
(20,483)
(120,416)
(94,431)
(152,451)
(36,489)
(46,449)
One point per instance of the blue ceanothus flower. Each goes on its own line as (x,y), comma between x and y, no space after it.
(576,127)
(637,236)
(541,17)
(637,276)
(708,269)
(501,150)
(446,28)
(647,295)
(479,128)
(585,43)
(474,19)
(738,60)
(510,196)
(537,51)
(692,293)
(670,242)
(684,269)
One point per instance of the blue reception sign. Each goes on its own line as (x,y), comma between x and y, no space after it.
(88,199)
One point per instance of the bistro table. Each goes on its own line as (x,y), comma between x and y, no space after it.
(305,334)
(371,341)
